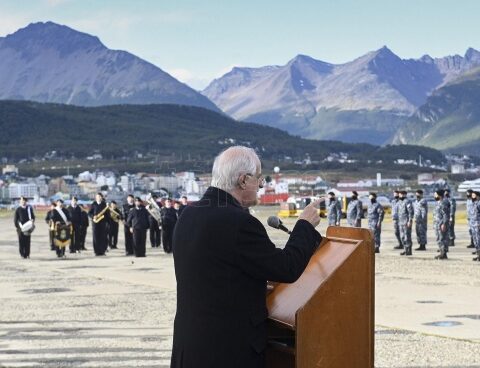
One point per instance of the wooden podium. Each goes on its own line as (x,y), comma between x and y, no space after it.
(326,318)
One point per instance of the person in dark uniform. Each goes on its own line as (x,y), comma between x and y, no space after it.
(83,228)
(169,219)
(23,214)
(155,232)
(61,215)
(100,216)
(76,218)
(115,217)
(139,224)
(183,204)
(223,259)
(49,221)
(127,207)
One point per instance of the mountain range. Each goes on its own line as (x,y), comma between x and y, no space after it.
(450,118)
(48,62)
(378,98)
(365,100)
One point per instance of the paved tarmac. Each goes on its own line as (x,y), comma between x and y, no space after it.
(117,311)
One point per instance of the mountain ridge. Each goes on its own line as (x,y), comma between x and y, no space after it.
(48,62)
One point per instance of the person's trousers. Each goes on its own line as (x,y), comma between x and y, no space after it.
(139,242)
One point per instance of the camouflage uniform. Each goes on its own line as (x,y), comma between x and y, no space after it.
(354,213)
(470,209)
(420,209)
(451,227)
(475,223)
(375,218)
(441,216)
(396,227)
(334,212)
(405,220)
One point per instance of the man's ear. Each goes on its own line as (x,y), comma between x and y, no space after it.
(241,182)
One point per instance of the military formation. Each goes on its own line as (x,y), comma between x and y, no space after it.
(406,213)
(67,226)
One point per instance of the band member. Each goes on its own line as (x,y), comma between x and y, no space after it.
(83,228)
(23,214)
(169,219)
(76,218)
(183,204)
(155,232)
(61,216)
(51,225)
(100,215)
(127,207)
(115,217)
(139,224)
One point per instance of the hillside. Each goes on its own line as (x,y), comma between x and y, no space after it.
(450,119)
(32,129)
(48,62)
(364,100)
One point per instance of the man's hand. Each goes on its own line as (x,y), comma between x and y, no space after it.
(442,228)
(131,230)
(310,213)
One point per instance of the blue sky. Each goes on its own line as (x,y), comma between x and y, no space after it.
(197,41)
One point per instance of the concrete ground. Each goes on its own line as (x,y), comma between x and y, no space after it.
(117,311)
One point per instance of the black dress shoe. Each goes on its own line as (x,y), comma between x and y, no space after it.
(442,256)
(377,249)
(421,247)
(471,246)
(403,253)
(399,246)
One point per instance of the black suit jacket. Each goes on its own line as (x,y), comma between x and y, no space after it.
(223,259)
(138,219)
(75,215)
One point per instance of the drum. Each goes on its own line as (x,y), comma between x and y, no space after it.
(62,235)
(27,228)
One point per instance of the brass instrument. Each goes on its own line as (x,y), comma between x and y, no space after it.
(101,215)
(114,214)
(51,225)
(153,208)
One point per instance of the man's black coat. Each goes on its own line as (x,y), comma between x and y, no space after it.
(223,259)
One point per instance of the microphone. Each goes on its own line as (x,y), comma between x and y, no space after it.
(276,223)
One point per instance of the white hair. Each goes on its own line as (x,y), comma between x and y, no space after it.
(231,163)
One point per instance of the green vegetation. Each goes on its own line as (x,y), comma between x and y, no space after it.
(163,133)
(450,119)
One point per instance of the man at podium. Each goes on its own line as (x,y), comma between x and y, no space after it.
(223,259)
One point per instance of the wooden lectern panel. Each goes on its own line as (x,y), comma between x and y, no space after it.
(326,318)
(286,299)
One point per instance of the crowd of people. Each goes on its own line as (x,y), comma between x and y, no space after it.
(68,225)
(406,212)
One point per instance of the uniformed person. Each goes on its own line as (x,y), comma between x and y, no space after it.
(183,204)
(113,224)
(375,218)
(61,215)
(100,216)
(469,212)
(475,221)
(23,214)
(334,210)
(139,224)
(441,220)
(49,221)
(405,221)
(453,210)
(76,218)
(85,223)
(169,220)
(155,230)
(420,209)
(396,227)
(127,207)
(355,211)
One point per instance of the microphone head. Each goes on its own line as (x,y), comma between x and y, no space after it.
(274,222)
